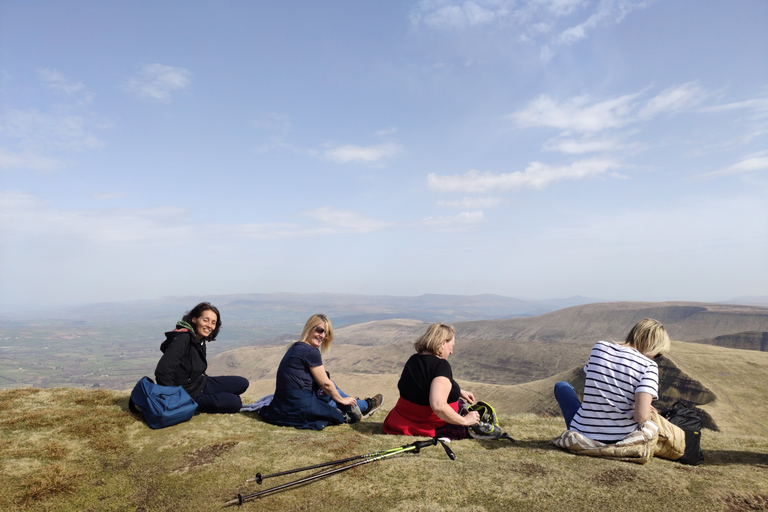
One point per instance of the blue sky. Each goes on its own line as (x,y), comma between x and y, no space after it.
(536,149)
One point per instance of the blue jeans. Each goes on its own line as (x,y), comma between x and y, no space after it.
(362,404)
(568,401)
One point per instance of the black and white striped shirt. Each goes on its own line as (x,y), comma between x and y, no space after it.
(614,374)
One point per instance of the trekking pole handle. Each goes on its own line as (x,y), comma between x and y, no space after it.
(448,451)
(418,445)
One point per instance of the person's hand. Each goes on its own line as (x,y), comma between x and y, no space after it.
(472,418)
(468,396)
(347,400)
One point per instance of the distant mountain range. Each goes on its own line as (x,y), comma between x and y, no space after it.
(502,339)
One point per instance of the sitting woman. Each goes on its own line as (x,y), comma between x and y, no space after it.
(184,362)
(305,396)
(622,380)
(429,397)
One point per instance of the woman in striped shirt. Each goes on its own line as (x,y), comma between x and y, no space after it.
(622,380)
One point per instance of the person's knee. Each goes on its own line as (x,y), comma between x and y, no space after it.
(243,385)
(562,387)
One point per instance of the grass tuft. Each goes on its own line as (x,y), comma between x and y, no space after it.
(49,482)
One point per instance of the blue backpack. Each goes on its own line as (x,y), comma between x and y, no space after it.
(161,406)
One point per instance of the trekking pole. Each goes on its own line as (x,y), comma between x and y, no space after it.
(414,447)
(259,477)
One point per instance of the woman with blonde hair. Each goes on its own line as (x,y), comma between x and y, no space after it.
(429,397)
(622,381)
(305,396)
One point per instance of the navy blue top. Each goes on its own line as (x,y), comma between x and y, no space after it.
(293,372)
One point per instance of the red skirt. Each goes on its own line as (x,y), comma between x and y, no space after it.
(409,419)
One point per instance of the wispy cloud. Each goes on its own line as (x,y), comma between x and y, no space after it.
(344,221)
(472,203)
(753,163)
(459,14)
(582,114)
(35,129)
(60,83)
(30,161)
(458,221)
(674,99)
(548,23)
(607,12)
(25,216)
(583,146)
(363,154)
(758,106)
(536,175)
(159,82)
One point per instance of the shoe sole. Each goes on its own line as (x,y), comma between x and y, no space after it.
(373,411)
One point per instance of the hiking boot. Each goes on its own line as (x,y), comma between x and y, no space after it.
(374,404)
(351,413)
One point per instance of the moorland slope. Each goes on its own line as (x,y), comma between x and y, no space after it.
(73,449)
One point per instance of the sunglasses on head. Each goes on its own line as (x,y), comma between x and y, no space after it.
(319,330)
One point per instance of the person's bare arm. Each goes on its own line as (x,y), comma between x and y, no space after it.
(643,407)
(327,385)
(438,401)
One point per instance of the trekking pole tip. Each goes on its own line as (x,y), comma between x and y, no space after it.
(236,501)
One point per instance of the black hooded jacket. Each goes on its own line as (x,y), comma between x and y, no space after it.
(183,362)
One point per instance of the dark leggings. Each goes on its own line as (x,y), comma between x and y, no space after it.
(222,394)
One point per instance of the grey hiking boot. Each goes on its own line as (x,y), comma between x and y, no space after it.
(374,404)
(351,413)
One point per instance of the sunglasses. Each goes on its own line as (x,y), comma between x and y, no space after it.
(319,330)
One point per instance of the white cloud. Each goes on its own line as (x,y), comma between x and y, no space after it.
(536,175)
(29,160)
(58,82)
(581,114)
(28,216)
(674,99)
(607,12)
(35,131)
(24,217)
(578,114)
(456,221)
(758,106)
(448,14)
(364,154)
(586,145)
(750,164)
(158,81)
(344,221)
(549,23)
(471,203)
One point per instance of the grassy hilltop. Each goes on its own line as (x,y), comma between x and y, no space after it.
(69,449)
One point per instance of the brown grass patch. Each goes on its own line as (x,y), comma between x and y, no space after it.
(208,454)
(746,502)
(50,481)
(531,469)
(614,476)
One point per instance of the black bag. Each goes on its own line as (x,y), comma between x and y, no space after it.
(688,418)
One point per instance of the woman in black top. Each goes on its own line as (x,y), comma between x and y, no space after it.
(184,362)
(429,397)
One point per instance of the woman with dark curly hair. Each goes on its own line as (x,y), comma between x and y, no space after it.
(184,362)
